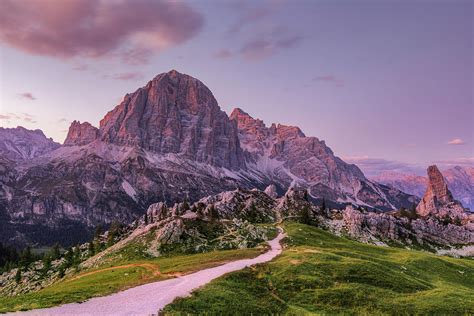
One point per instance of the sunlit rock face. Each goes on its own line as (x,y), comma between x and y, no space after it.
(175,113)
(438,200)
(80,134)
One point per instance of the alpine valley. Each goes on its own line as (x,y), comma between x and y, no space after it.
(167,141)
(179,193)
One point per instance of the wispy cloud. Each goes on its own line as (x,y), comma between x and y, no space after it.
(330,79)
(463,161)
(456,141)
(265,46)
(94,29)
(19,116)
(128,76)
(375,166)
(248,16)
(27,95)
(63,120)
(223,54)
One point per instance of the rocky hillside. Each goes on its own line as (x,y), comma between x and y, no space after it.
(165,142)
(289,158)
(460,181)
(243,218)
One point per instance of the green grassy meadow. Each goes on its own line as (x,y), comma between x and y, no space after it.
(118,275)
(319,273)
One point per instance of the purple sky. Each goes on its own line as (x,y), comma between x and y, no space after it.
(387,84)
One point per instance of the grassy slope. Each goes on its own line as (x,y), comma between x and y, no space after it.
(324,274)
(124,273)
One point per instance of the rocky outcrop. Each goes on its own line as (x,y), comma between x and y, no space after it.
(20,143)
(271,191)
(460,181)
(80,134)
(157,211)
(438,200)
(383,228)
(175,113)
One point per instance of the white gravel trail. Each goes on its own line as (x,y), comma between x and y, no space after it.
(148,299)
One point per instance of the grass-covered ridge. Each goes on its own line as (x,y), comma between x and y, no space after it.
(324,274)
(120,275)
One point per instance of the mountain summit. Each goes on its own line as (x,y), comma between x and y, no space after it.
(175,113)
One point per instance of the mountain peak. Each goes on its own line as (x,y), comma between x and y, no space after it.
(437,195)
(80,134)
(175,113)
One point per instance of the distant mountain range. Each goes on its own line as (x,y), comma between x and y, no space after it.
(167,141)
(460,181)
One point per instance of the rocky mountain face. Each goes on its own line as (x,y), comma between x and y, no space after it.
(175,113)
(459,179)
(165,142)
(20,143)
(289,158)
(80,134)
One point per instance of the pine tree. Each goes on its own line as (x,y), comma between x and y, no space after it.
(114,231)
(55,252)
(323,205)
(46,265)
(18,275)
(26,257)
(61,271)
(99,230)
(213,213)
(305,216)
(91,248)
(185,206)
(146,219)
(69,257)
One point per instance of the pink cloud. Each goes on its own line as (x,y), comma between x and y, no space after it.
(95,28)
(27,95)
(128,76)
(223,53)
(456,141)
(260,48)
(330,79)
(19,116)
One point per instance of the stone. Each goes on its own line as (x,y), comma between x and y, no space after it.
(438,200)
(80,134)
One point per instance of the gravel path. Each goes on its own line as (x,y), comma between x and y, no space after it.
(150,298)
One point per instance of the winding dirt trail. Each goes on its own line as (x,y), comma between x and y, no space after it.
(150,298)
(151,267)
